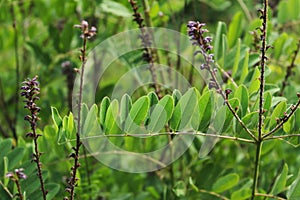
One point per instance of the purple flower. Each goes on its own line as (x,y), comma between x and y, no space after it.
(18,173)
(196,32)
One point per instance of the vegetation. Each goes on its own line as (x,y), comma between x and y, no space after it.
(204,106)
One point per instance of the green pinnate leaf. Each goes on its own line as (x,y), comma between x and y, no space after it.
(236,59)
(201,120)
(137,114)
(242,94)
(176,96)
(111,120)
(5,147)
(277,113)
(114,8)
(226,182)
(241,194)
(293,192)
(184,110)
(14,157)
(245,66)
(103,109)
(52,189)
(280,182)
(254,83)
(180,189)
(56,118)
(161,113)
(126,105)
(235,29)
(153,99)
(218,43)
(234,102)
(250,120)
(91,126)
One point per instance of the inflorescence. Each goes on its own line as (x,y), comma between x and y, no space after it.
(196,33)
(31,90)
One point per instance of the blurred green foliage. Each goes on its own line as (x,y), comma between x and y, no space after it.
(37,38)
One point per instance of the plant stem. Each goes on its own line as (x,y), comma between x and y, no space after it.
(174,134)
(282,136)
(30,91)
(213,194)
(263,65)
(6,190)
(220,91)
(19,189)
(256,168)
(38,163)
(270,196)
(285,119)
(78,142)
(289,69)
(259,142)
(149,54)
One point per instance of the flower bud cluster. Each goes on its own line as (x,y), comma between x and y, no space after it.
(31,90)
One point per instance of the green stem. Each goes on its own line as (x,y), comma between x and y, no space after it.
(213,194)
(256,169)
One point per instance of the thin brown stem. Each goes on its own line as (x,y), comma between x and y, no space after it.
(19,189)
(262,65)
(30,91)
(220,91)
(39,164)
(289,69)
(149,54)
(195,31)
(259,142)
(76,165)
(283,120)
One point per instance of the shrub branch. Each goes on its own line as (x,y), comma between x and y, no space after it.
(86,34)
(31,90)
(149,54)
(196,33)
(264,48)
(283,120)
(289,69)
